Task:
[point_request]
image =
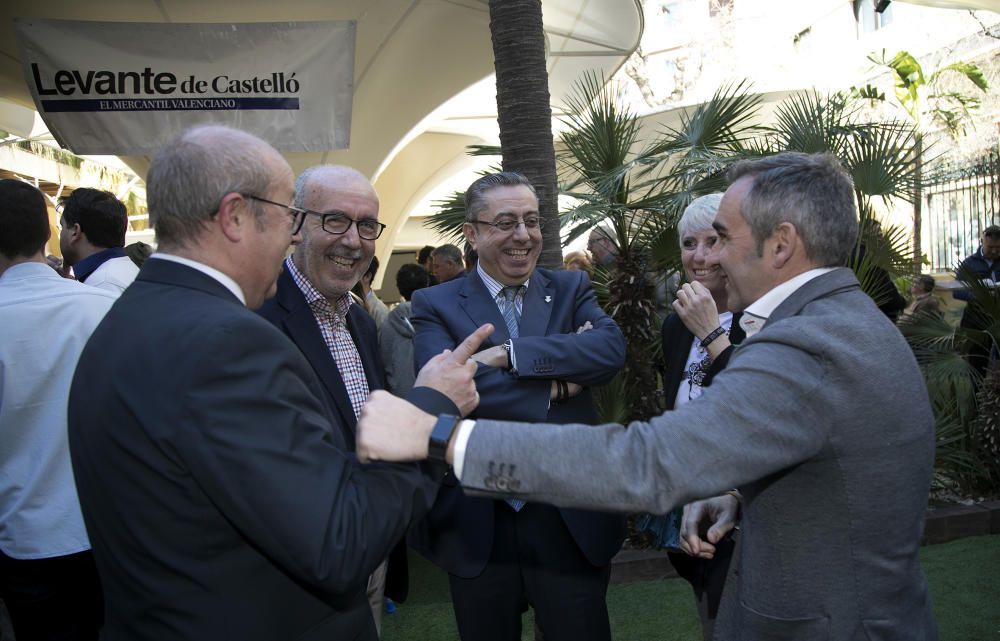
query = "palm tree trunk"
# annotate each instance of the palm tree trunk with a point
(523, 110)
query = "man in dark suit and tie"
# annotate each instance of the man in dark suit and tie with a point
(216, 483)
(821, 419)
(552, 341)
(314, 308)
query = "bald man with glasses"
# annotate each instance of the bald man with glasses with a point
(336, 209)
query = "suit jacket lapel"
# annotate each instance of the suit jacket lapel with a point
(365, 343)
(476, 301)
(536, 310)
(304, 331)
(836, 281)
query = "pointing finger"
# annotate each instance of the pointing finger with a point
(471, 344)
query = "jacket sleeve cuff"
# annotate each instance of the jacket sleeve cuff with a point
(432, 401)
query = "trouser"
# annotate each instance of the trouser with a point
(53, 599)
(376, 594)
(534, 561)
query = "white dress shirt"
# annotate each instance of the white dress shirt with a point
(757, 313)
(46, 320)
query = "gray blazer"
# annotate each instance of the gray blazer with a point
(823, 422)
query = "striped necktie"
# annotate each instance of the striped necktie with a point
(513, 320)
(510, 314)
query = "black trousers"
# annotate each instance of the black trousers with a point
(535, 562)
(708, 578)
(54, 599)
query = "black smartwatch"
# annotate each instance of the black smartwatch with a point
(437, 448)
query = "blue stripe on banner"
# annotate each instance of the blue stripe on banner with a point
(170, 104)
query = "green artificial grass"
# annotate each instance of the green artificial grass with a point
(964, 578)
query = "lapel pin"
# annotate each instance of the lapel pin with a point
(548, 299)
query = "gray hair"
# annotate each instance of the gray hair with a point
(451, 252)
(189, 177)
(698, 216)
(810, 191)
(475, 195)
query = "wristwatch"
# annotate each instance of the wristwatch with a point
(508, 347)
(437, 448)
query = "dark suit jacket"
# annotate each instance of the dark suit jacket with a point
(676, 342)
(221, 501)
(289, 312)
(458, 533)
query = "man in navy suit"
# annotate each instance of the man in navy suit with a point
(313, 307)
(552, 341)
(219, 493)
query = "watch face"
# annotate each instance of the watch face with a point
(437, 448)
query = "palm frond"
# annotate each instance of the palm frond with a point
(882, 159)
(601, 133)
(888, 246)
(723, 124)
(928, 335)
(448, 217)
(952, 458)
(809, 123)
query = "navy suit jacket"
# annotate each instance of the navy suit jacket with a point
(221, 499)
(457, 535)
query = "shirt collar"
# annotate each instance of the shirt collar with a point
(493, 286)
(211, 272)
(84, 268)
(28, 269)
(317, 301)
(757, 313)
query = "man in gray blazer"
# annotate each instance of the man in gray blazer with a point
(821, 420)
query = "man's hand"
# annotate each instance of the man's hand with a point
(451, 372)
(718, 514)
(495, 356)
(392, 429)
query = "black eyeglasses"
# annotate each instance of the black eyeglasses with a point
(509, 224)
(298, 215)
(337, 223)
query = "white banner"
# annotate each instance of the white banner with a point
(127, 88)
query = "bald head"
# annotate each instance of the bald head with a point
(189, 177)
(316, 181)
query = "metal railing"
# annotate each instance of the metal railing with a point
(958, 204)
